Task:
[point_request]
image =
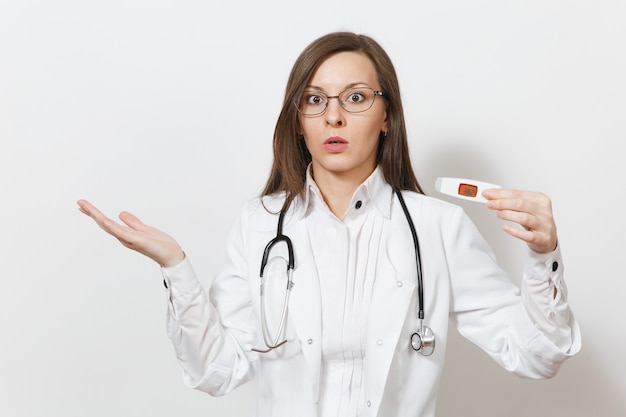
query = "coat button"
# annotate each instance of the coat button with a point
(555, 266)
(379, 342)
(310, 341)
(399, 283)
(358, 205)
(369, 403)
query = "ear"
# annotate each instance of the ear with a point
(385, 126)
(299, 129)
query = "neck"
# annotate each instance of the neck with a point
(337, 189)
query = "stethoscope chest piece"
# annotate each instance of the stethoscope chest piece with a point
(423, 341)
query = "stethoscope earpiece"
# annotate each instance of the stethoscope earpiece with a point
(423, 341)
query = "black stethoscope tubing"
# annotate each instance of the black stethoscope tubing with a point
(280, 237)
(423, 340)
(418, 257)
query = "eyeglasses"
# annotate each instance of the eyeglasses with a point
(352, 100)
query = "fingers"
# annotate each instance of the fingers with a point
(502, 198)
(527, 208)
(531, 210)
(137, 236)
(127, 235)
(85, 207)
(132, 221)
(124, 234)
(91, 211)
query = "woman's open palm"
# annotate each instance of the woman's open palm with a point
(137, 236)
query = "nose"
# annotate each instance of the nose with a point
(334, 112)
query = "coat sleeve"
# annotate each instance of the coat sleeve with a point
(210, 330)
(489, 310)
(544, 295)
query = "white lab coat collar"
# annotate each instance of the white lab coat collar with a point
(374, 189)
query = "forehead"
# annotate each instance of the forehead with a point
(343, 69)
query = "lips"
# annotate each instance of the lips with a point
(335, 144)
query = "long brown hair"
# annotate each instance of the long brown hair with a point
(291, 156)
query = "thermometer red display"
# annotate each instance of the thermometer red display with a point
(468, 190)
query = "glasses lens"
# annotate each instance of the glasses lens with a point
(312, 103)
(356, 100)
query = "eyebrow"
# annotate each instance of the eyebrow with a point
(351, 85)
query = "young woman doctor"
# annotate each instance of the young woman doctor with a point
(335, 334)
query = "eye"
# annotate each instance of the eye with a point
(314, 99)
(355, 97)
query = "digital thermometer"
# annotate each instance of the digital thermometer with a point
(463, 188)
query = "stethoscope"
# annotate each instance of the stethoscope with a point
(422, 341)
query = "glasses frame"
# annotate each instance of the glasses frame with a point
(341, 103)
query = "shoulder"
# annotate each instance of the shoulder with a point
(261, 213)
(270, 204)
(264, 206)
(448, 221)
(425, 203)
(433, 213)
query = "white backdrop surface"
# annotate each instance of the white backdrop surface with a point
(166, 109)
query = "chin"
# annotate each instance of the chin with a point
(336, 168)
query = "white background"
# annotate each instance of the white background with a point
(166, 108)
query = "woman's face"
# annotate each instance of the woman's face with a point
(342, 143)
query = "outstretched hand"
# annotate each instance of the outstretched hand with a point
(137, 236)
(531, 210)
